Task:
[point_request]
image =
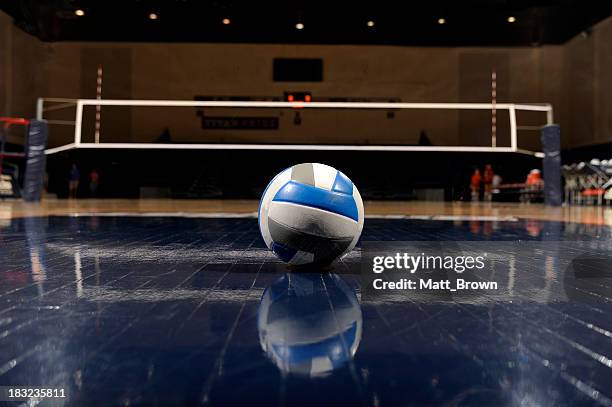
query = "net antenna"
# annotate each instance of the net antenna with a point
(45, 105)
(98, 107)
(494, 109)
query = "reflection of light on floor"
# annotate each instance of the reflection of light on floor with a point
(550, 276)
(171, 253)
(38, 270)
(608, 218)
(78, 274)
(6, 213)
(512, 275)
(115, 295)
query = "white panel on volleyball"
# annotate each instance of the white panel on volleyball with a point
(361, 217)
(266, 200)
(324, 176)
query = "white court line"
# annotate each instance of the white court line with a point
(477, 218)
(253, 215)
(447, 218)
(213, 215)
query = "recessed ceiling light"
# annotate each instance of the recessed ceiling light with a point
(441, 21)
(226, 21)
(79, 12)
(299, 26)
(371, 23)
(153, 16)
(511, 19)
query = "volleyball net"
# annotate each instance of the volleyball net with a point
(282, 125)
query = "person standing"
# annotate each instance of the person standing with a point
(488, 183)
(73, 185)
(497, 180)
(94, 180)
(475, 185)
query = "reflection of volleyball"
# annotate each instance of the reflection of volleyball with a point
(310, 214)
(309, 324)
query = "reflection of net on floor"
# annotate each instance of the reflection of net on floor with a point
(270, 125)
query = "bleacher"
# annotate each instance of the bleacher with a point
(588, 182)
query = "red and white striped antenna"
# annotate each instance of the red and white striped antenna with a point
(493, 109)
(98, 107)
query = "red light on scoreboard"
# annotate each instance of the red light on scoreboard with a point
(298, 97)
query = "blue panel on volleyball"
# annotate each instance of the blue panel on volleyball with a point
(343, 184)
(35, 161)
(283, 252)
(307, 195)
(551, 145)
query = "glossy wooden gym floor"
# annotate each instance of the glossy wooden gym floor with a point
(186, 306)
(594, 215)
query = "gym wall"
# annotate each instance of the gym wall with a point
(23, 61)
(564, 75)
(587, 79)
(170, 71)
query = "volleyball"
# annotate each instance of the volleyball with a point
(300, 332)
(311, 214)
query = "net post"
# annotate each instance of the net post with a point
(549, 115)
(78, 120)
(36, 144)
(39, 108)
(513, 136)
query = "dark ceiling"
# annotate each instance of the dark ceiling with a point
(407, 22)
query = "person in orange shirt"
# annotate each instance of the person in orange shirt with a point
(533, 186)
(488, 183)
(534, 178)
(475, 184)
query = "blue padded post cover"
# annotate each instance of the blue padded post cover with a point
(551, 145)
